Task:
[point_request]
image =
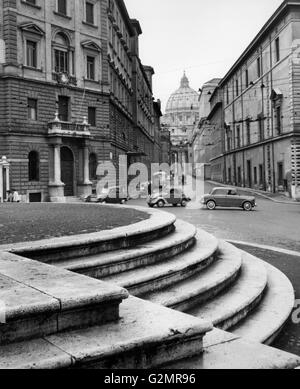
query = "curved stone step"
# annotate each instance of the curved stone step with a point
(234, 304)
(158, 276)
(137, 341)
(52, 250)
(116, 262)
(265, 323)
(186, 294)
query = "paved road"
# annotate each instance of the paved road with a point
(272, 224)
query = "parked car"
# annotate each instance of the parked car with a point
(112, 195)
(228, 197)
(171, 196)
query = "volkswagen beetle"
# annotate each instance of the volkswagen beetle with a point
(171, 196)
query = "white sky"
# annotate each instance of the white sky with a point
(202, 37)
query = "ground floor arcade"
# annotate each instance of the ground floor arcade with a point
(272, 166)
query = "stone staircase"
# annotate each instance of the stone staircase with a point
(69, 304)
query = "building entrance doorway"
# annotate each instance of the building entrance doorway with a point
(249, 172)
(3, 195)
(67, 170)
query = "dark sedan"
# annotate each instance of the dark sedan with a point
(168, 196)
(228, 198)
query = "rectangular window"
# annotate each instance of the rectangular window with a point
(248, 131)
(278, 120)
(89, 12)
(277, 50)
(32, 109)
(261, 128)
(31, 54)
(62, 7)
(228, 140)
(91, 68)
(246, 78)
(238, 137)
(237, 89)
(227, 95)
(63, 108)
(92, 116)
(258, 67)
(61, 61)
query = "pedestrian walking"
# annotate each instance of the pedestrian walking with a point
(15, 196)
(149, 188)
(9, 196)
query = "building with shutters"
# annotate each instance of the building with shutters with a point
(260, 95)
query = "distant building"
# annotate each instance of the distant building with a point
(200, 140)
(182, 112)
(216, 140)
(73, 93)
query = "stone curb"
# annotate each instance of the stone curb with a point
(264, 247)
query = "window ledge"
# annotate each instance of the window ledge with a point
(62, 15)
(31, 5)
(92, 81)
(90, 24)
(32, 68)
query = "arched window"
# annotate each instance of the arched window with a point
(33, 166)
(93, 164)
(62, 54)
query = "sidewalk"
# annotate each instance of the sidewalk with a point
(275, 197)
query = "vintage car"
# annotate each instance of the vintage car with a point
(228, 198)
(112, 195)
(168, 196)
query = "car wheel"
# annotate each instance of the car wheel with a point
(211, 205)
(160, 204)
(247, 206)
(183, 203)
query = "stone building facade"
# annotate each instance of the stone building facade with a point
(216, 140)
(134, 116)
(68, 94)
(201, 150)
(262, 108)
